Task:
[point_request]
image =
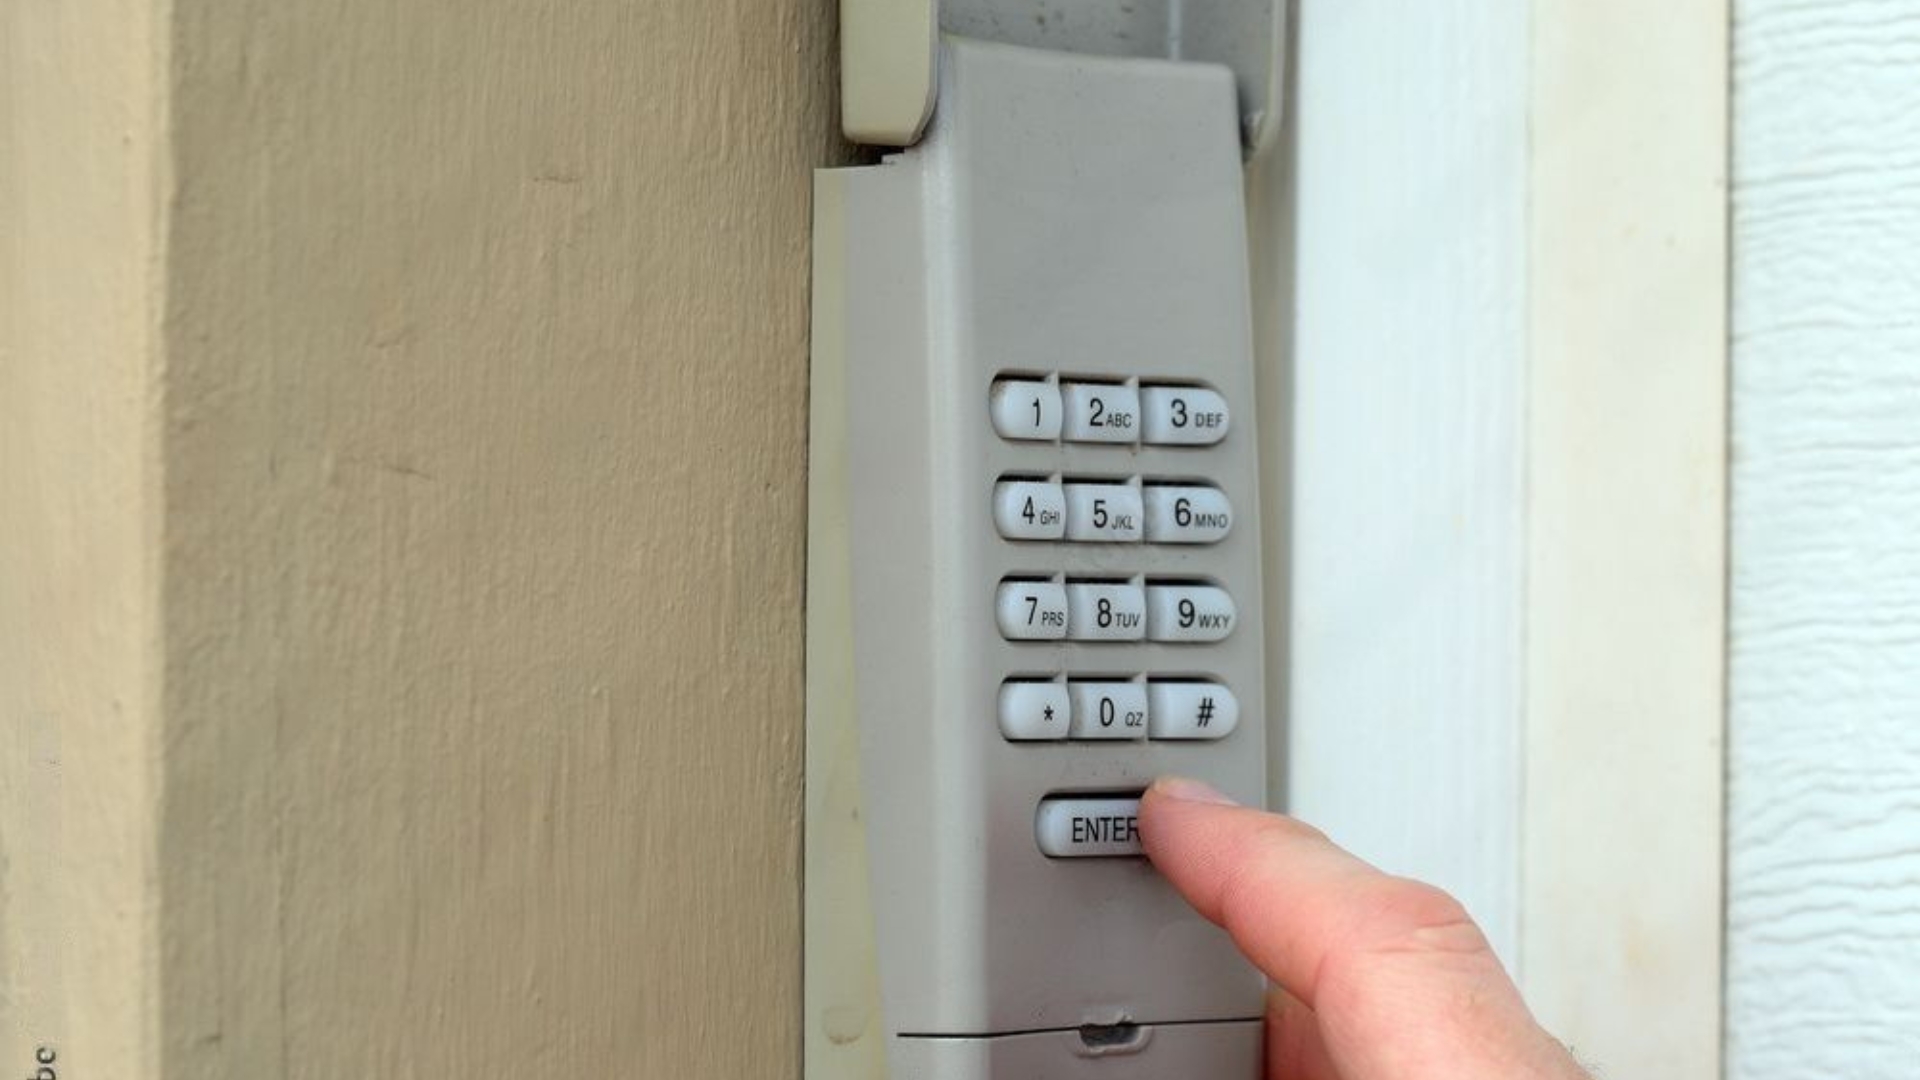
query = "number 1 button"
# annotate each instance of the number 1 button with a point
(1024, 409)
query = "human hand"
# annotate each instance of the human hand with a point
(1375, 977)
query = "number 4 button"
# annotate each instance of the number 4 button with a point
(1029, 510)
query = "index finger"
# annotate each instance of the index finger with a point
(1403, 982)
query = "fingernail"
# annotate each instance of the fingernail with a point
(1186, 790)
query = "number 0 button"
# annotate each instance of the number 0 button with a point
(1102, 412)
(1108, 710)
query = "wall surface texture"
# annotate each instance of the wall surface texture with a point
(1824, 863)
(409, 402)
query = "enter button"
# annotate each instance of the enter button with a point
(1080, 827)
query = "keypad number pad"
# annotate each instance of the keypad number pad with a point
(1062, 622)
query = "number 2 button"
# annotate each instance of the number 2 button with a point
(1102, 412)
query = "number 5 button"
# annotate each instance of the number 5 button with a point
(1103, 512)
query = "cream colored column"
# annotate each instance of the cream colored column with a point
(82, 156)
(416, 455)
(1622, 910)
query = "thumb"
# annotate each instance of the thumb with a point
(1403, 983)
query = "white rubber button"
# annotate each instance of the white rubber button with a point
(1109, 512)
(1076, 828)
(1032, 610)
(1106, 612)
(1029, 510)
(1189, 613)
(1191, 710)
(1034, 710)
(1101, 412)
(1182, 415)
(1108, 710)
(1186, 515)
(1024, 409)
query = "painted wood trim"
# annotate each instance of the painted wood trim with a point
(1408, 341)
(1626, 521)
(83, 162)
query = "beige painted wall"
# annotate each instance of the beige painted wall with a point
(404, 428)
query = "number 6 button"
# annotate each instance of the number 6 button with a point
(1187, 515)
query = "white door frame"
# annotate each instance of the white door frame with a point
(1497, 406)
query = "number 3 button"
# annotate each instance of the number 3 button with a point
(1183, 415)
